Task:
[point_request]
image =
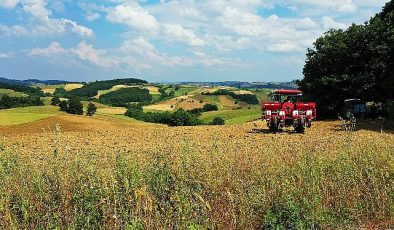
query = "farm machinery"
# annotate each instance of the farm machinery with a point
(287, 109)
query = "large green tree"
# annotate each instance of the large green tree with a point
(352, 63)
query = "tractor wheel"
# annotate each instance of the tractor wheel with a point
(273, 126)
(300, 129)
(309, 123)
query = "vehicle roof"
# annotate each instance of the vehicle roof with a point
(287, 91)
(354, 99)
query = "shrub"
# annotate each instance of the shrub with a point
(210, 107)
(218, 121)
(91, 110)
(63, 106)
(55, 101)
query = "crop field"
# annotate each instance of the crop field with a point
(11, 93)
(72, 86)
(114, 173)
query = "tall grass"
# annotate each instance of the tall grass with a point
(196, 189)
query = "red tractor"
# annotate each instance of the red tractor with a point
(287, 109)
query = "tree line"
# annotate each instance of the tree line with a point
(247, 98)
(354, 63)
(124, 96)
(7, 102)
(178, 118)
(91, 89)
(31, 91)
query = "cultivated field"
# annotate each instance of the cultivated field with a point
(112, 173)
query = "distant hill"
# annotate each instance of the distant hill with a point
(32, 81)
(246, 85)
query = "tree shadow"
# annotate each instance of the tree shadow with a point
(377, 125)
(267, 131)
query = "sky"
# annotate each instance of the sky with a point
(168, 40)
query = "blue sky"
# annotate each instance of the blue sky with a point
(167, 40)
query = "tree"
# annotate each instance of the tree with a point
(354, 63)
(91, 110)
(63, 106)
(55, 101)
(218, 121)
(210, 107)
(75, 106)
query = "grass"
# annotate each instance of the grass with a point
(17, 116)
(184, 89)
(50, 88)
(233, 117)
(11, 93)
(194, 189)
(262, 94)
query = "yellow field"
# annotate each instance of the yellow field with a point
(69, 87)
(121, 172)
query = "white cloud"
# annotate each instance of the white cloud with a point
(9, 4)
(41, 23)
(133, 15)
(97, 57)
(91, 16)
(4, 55)
(178, 33)
(53, 49)
(330, 23)
(285, 47)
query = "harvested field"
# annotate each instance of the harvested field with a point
(202, 173)
(71, 86)
(228, 102)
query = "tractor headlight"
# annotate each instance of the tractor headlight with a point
(281, 113)
(268, 113)
(309, 113)
(296, 113)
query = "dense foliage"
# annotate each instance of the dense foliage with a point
(91, 110)
(91, 89)
(206, 108)
(247, 98)
(354, 63)
(22, 88)
(178, 118)
(124, 96)
(55, 101)
(218, 121)
(61, 93)
(72, 106)
(7, 102)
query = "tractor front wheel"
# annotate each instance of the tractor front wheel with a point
(273, 126)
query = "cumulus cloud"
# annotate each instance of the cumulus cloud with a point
(178, 33)
(330, 23)
(4, 55)
(41, 21)
(92, 16)
(53, 49)
(9, 4)
(133, 15)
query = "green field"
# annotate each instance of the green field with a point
(233, 117)
(184, 89)
(11, 93)
(17, 116)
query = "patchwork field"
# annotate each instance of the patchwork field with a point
(11, 93)
(104, 171)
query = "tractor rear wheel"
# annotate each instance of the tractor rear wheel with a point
(300, 129)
